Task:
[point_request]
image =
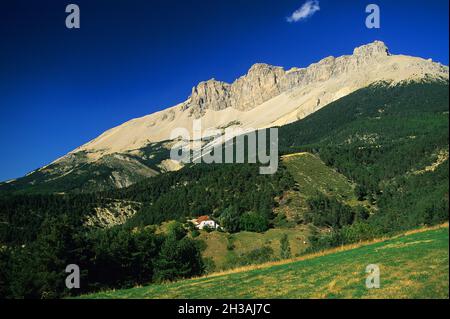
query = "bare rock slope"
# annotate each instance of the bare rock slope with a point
(268, 96)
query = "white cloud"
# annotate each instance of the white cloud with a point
(305, 11)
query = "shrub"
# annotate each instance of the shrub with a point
(253, 222)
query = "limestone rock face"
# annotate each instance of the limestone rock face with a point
(211, 94)
(263, 82)
(375, 49)
(112, 214)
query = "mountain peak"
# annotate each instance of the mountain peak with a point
(211, 94)
(376, 48)
(257, 67)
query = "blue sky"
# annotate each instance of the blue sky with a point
(60, 88)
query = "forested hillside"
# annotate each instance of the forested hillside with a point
(389, 142)
(47, 232)
(222, 191)
(392, 141)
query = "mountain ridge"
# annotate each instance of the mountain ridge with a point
(267, 96)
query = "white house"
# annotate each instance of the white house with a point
(208, 223)
(204, 221)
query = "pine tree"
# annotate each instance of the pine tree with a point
(285, 248)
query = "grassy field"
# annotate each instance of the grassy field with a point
(413, 265)
(245, 242)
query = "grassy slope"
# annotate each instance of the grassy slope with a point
(244, 242)
(312, 177)
(414, 265)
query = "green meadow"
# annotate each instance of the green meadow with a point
(314, 176)
(412, 265)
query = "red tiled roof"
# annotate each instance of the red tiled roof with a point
(202, 218)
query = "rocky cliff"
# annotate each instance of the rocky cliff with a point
(263, 82)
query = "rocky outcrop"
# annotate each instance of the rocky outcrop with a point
(112, 214)
(263, 82)
(260, 84)
(211, 94)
